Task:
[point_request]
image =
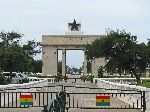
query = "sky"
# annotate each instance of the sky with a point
(35, 18)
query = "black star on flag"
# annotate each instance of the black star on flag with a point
(74, 26)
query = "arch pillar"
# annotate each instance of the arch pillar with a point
(96, 63)
(49, 61)
(63, 62)
(85, 64)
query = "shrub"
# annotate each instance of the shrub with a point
(58, 78)
(146, 83)
(3, 79)
(25, 80)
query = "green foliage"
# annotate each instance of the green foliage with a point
(37, 66)
(31, 48)
(121, 52)
(145, 83)
(58, 78)
(3, 79)
(25, 80)
(13, 55)
(90, 78)
(89, 67)
(100, 72)
(59, 67)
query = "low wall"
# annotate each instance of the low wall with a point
(32, 79)
(17, 80)
(25, 87)
(117, 87)
(131, 81)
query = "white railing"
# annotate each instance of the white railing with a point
(130, 99)
(32, 79)
(131, 81)
(25, 87)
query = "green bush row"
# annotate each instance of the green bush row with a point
(145, 83)
(3, 80)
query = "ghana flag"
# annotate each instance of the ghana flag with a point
(26, 99)
(103, 100)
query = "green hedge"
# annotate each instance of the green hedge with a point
(90, 78)
(3, 80)
(25, 80)
(58, 78)
(145, 83)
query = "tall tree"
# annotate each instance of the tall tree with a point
(59, 67)
(121, 52)
(13, 55)
(10, 50)
(37, 66)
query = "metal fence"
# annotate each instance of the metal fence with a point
(122, 99)
(117, 100)
(12, 99)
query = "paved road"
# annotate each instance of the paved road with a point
(84, 100)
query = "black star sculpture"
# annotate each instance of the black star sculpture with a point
(74, 25)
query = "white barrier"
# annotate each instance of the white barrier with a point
(130, 99)
(32, 79)
(147, 94)
(131, 81)
(25, 87)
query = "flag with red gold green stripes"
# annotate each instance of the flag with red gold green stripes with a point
(103, 100)
(26, 99)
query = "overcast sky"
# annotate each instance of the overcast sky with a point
(34, 18)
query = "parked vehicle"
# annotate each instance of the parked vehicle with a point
(8, 74)
(21, 75)
(16, 77)
(14, 74)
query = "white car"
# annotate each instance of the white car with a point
(14, 74)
